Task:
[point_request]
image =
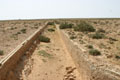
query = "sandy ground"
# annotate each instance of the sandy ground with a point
(55, 64)
(108, 48)
(11, 34)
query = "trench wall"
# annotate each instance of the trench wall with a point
(9, 62)
(86, 68)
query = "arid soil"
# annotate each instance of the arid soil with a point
(13, 33)
(52, 61)
(49, 61)
(108, 46)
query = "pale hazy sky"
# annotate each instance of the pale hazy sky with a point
(37, 9)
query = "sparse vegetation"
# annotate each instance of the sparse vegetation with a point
(45, 54)
(98, 36)
(111, 42)
(94, 36)
(1, 52)
(18, 33)
(12, 28)
(65, 26)
(81, 42)
(44, 39)
(50, 23)
(84, 27)
(101, 30)
(112, 39)
(23, 30)
(89, 46)
(95, 22)
(72, 37)
(14, 36)
(51, 30)
(94, 52)
(117, 57)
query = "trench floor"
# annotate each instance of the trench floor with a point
(49, 61)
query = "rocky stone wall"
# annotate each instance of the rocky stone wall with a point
(8, 63)
(87, 69)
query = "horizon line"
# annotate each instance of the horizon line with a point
(60, 18)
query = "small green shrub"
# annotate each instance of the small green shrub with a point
(95, 22)
(81, 42)
(101, 30)
(117, 57)
(18, 33)
(76, 28)
(90, 46)
(50, 23)
(44, 39)
(72, 37)
(23, 30)
(98, 36)
(94, 52)
(45, 54)
(1, 52)
(112, 39)
(84, 27)
(65, 26)
(111, 42)
(12, 28)
(51, 30)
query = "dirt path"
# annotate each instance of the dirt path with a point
(50, 61)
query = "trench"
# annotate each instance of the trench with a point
(46, 61)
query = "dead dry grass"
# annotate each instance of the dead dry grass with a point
(106, 38)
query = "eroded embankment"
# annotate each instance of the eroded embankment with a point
(7, 64)
(89, 70)
(52, 61)
(48, 61)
